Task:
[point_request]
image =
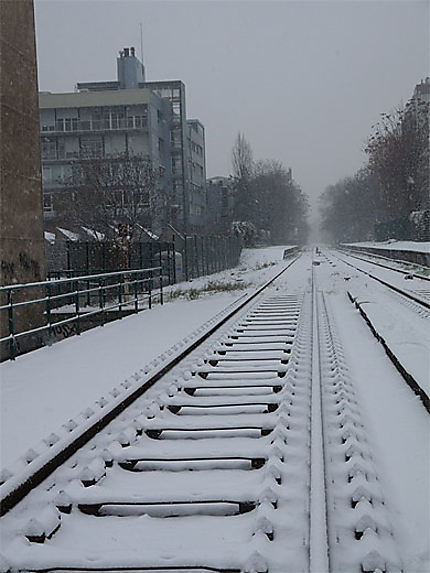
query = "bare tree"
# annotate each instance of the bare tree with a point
(269, 205)
(243, 165)
(281, 205)
(398, 153)
(349, 208)
(108, 194)
(242, 158)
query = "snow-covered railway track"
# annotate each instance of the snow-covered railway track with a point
(389, 314)
(418, 296)
(358, 521)
(249, 457)
(376, 260)
(16, 484)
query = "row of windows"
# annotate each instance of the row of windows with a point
(120, 201)
(112, 122)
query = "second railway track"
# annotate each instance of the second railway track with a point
(249, 456)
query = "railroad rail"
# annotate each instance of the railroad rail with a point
(246, 454)
(408, 294)
(378, 263)
(420, 257)
(415, 304)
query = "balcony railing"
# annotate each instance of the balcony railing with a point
(74, 125)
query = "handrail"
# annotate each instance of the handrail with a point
(121, 291)
(78, 278)
(30, 317)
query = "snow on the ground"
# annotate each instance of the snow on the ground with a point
(391, 245)
(258, 257)
(386, 274)
(43, 389)
(397, 425)
(406, 332)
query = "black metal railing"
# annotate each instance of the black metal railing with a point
(86, 294)
(60, 302)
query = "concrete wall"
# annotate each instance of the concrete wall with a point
(21, 219)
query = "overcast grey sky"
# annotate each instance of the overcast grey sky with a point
(304, 81)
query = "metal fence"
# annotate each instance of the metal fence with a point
(85, 257)
(184, 259)
(32, 313)
(207, 255)
(85, 295)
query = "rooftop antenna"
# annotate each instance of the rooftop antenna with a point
(141, 41)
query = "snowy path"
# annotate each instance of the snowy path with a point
(263, 451)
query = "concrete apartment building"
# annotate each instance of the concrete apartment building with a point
(197, 171)
(131, 116)
(220, 203)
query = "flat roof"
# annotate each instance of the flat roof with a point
(94, 99)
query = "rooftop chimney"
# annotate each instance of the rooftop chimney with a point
(131, 71)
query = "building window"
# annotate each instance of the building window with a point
(49, 148)
(48, 204)
(92, 146)
(46, 174)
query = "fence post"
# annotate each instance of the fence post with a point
(48, 310)
(186, 257)
(161, 276)
(121, 279)
(150, 289)
(204, 256)
(169, 264)
(12, 347)
(136, 303)
(174, 259)
(78, 317)
(68, 255)
(196, 257)
(101, 303)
